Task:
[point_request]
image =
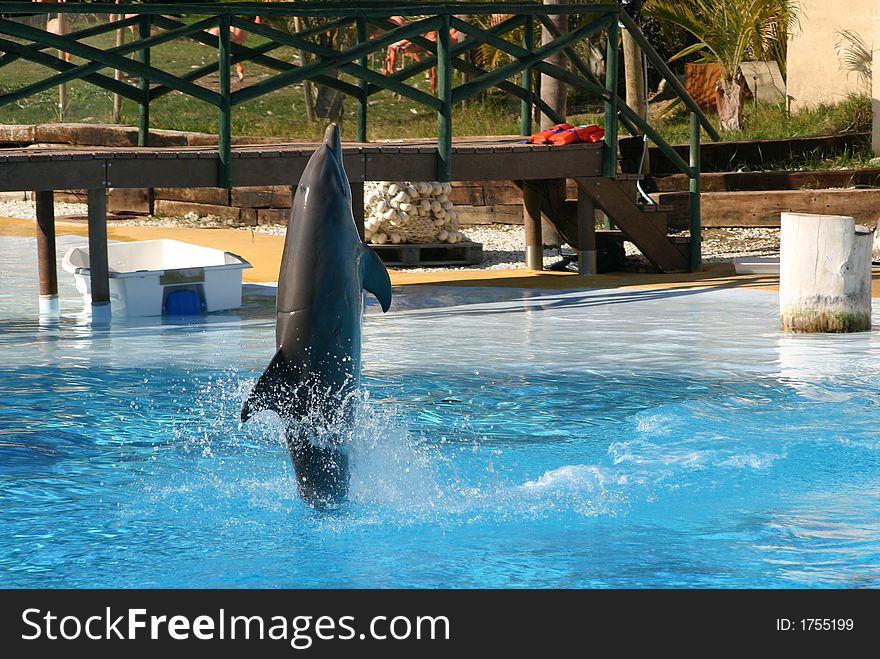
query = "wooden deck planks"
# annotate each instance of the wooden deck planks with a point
(501, 158)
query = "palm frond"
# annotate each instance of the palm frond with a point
(854, 54)
(731, 31)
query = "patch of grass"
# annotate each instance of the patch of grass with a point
(858, 157)
(767, 121)
(280, 114)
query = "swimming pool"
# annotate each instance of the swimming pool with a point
(627, 438)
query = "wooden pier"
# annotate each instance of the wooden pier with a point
(539, 170)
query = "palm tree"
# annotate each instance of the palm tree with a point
(730, 32)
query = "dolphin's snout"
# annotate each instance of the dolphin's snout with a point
(333, 140)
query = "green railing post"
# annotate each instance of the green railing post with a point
(362, 108)
(224, 119)
(444, 92)
(144, 25)
(611, 103)
(696, 257)
(525, 122)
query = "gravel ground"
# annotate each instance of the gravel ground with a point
(502, 243)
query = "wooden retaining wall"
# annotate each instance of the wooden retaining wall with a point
(476, 202)
(763, 209)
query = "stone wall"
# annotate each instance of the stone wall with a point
(476, 202)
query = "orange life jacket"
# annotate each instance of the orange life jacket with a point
(544, 136)
(590, 133)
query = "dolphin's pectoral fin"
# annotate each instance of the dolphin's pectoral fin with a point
(273, 391)
(376, 279)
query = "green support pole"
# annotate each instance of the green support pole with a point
(696, 248)
(611, 103)
(144, 25)
(362, 37)
(444, 92)
(224, 119)
(610, 155)
(525, 121)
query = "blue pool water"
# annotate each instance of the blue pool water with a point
(507, 439)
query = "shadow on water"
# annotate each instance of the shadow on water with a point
(450, 301)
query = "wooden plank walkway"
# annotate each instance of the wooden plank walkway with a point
(474, 159)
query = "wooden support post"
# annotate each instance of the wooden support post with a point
(586, 219)
(357, 206)
(99, 272)
(824, 274)
(532, 221)
(46, 251)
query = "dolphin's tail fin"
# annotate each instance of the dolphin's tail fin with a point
(375, 277)
(272, 391)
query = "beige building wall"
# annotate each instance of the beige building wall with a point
(815, 72)
(875, 84)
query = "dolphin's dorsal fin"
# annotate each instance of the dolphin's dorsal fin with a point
(272, 391)
(375, 276)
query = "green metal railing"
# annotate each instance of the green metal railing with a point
(428, 28)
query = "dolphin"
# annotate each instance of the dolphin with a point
(325, 268)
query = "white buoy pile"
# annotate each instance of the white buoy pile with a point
(409, 212)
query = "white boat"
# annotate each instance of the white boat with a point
(152, 277)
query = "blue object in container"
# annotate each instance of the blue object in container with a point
(183, 303)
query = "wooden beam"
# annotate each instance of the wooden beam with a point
(99, 270)
(586, 228)
(480, 160)
(763, 209)
(776, 180)
(532, 222)
(46, 257)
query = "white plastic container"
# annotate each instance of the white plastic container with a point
(756, 265)
(143, 274)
